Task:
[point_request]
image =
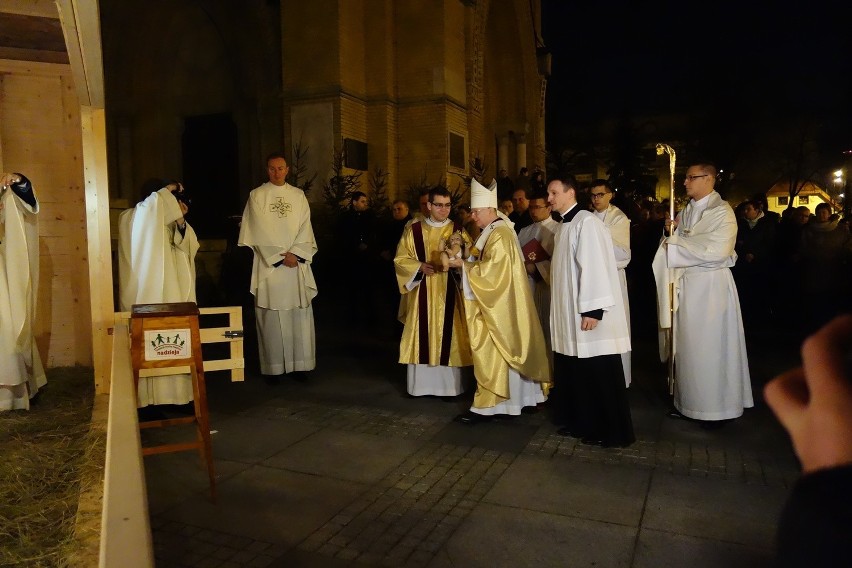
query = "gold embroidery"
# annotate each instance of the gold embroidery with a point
(280, 207)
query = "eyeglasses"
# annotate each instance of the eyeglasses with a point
(441, 205)
(598, 195)
(690, 178)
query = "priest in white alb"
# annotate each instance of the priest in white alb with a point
(537, 245)
(510, 359)
(156, 265)
(588, 326)
(434, 344)
(21, 371)
(618, 225)
(712, 382)
(276, 224)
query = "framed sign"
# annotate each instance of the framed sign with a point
(163, 344)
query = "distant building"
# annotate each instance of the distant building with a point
(810, 196)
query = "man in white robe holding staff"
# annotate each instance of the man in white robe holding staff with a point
(711, 382)
(21, 371)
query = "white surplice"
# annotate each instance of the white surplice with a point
(156, 264)
(585, 274)
(21, 370)
(712, 380)
(277, 220)
(618, 224)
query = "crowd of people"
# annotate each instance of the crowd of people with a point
(534, 298)
(790, 260)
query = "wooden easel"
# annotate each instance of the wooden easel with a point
(160, 319)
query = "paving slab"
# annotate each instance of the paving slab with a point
(593, 491)
(266, 503)
(351, 456)
(658, 549)
(174, 478)
(252, 440)
(716, 509)
(500, 435)
(495, 535)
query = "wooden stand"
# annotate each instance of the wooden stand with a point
(159, 318)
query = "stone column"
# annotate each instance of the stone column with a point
(503, 153)
(521, 142)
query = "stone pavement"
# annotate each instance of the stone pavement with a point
(345, 470)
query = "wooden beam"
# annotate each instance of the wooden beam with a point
(97, 230)
(81, 28)
(41, 8)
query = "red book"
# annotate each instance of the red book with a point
(534, 252)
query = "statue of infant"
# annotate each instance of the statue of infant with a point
(454, 247)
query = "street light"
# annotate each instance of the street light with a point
(839, 187)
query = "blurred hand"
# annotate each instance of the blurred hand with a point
(9, 179)
(427, 269)
(671, 225)
(588, 324)
(814, 402)
(290, 260)
(530, 267)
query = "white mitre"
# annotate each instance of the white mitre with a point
(481, 196)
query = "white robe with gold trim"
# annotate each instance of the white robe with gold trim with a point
(277, 220)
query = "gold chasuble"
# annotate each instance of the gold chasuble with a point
(502, 320)
(435, 332)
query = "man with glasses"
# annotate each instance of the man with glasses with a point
(537, 245)
(712, 382)
(435, 342)
(509, 354)
(618, 225)
(588, 326)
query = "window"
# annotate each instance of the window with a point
(355, 153)
(457, 159)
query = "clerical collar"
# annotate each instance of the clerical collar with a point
(569, 214)
(432, 223)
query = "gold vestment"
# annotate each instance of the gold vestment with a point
(435, 330)
(502, 320)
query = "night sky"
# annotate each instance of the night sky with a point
(637, 57)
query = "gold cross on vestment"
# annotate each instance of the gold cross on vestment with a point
(280, 207)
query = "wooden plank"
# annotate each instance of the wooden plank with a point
(209, 366)
(126, 522)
